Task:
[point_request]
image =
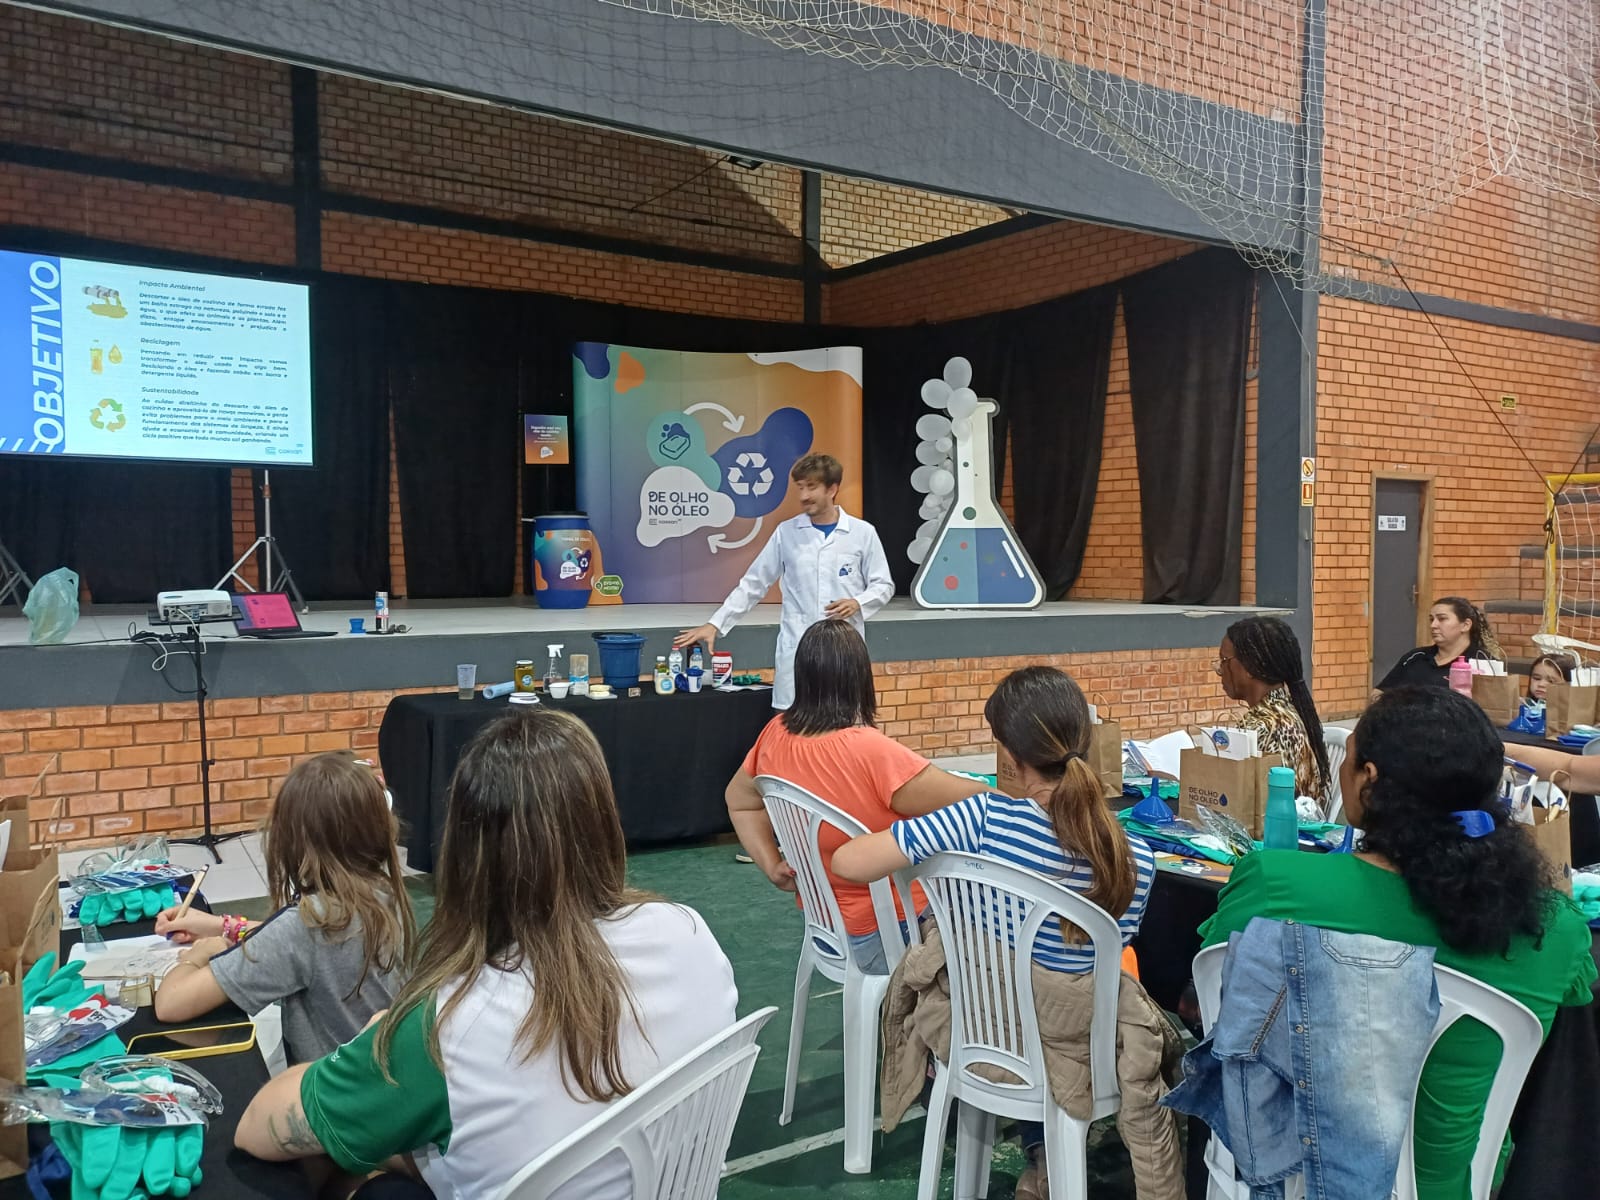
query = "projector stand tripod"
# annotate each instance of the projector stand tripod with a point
(14, 581)
(208, 837)
(268, 545)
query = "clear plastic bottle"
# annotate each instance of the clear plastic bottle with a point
(1461, 677)
(1280, 829)
(663, 676)
(697, 659)
(552, 672)
(674, 662)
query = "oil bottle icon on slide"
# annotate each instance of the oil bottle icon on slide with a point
(976, 560)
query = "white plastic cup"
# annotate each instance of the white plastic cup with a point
(559, 688)
(466, 680)
(694, 683)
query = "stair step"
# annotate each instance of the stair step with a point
(1585, 608)
(1536, 551)
(1535, 607)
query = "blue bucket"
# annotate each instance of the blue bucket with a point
(619, 658)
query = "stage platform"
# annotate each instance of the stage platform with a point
(100, 664)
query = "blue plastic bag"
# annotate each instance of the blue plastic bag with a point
(52, 608)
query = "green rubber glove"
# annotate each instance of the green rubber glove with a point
(38, 975)
(112, 1162)
(66, 989)
(76, 1061)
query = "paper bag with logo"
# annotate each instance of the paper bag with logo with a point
(30, 928)
(1551, 831)
(1105, 756)
(1499, 696)
(1568, 705)
(1236, 787)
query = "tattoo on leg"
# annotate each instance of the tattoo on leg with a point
(293, 1135)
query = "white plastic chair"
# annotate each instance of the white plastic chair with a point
(674, 1129)
(1337, 743)
(797, 818)
(993, 1021)
(1460, 996)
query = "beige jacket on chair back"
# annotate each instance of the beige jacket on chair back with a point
(916, 1022)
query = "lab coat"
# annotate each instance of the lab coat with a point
(814, 572)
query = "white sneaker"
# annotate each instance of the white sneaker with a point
(743, 858)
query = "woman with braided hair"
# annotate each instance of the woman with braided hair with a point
(1259, 664)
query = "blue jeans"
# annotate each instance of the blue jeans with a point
(867, 950)
(1313, 1062)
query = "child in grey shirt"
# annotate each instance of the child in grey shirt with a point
(333, 952)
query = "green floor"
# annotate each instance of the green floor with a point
(759, 929)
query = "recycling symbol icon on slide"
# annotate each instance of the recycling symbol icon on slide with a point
(750, 475)
(98, 412)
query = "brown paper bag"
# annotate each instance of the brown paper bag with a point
(30, 928)
(1567, 706)
(1105, 756)
(1551, 832)
(1500, 696)
(1235, 787)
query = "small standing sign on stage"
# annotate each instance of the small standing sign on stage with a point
(545, 442)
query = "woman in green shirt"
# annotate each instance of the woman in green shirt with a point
(1418, 759)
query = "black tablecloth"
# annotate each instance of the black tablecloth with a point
(228, 1172)
(1584, 809)
(1556, 1123)
(670, 758)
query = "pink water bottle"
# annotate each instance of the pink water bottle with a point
(1461, 677)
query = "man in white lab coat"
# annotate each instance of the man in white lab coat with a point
(829, 564)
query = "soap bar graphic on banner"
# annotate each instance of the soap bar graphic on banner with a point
(683, 459)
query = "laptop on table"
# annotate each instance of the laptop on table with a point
(271, 615)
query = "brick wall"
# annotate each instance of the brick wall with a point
(1009, 272)
(1390, 399)
(862, 219)
(134, 768)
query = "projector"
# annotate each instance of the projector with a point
(193, 605)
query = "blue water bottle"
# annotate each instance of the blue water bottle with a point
(1281, 828)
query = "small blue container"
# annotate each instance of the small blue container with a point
(619, 658)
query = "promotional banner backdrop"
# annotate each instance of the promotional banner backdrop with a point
(683, 459)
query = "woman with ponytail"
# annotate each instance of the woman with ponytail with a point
(1052, 818)
(1259, 663)
(1440, 864)
(1459, 630)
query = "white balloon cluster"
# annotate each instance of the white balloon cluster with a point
(940, 437)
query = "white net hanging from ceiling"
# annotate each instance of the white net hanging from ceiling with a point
(1426, 101)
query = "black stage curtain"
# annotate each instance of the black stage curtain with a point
(1188, 326)
(1053, 379)
(331, 521)
(129, 529)
(456, 381)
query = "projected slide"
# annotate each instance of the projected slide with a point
(116, 361)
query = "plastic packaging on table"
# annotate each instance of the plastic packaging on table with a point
(54, 1037)
(52, 608)
(149, 1109)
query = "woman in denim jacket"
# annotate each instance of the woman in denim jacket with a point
(1418, 759)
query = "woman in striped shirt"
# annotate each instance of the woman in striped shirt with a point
(1052, 819)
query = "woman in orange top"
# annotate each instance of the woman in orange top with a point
(827, 743)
